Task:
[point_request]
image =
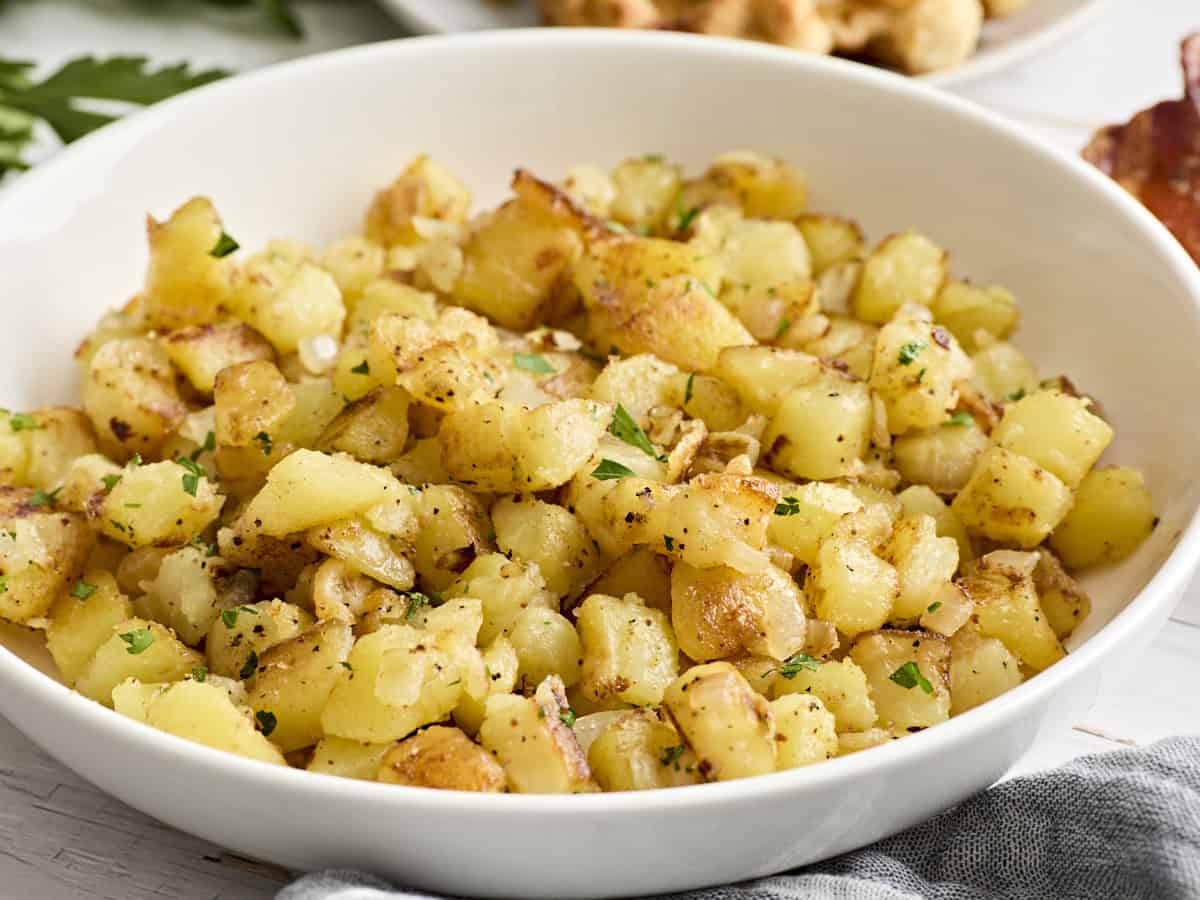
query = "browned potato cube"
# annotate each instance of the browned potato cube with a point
(187, 280)
(1011, 499)
(425, 189)
(443, 758)
(129, 394)
(252, 399)
(1007, 606)
(1111, 516)
(372, 429)
(42, 553)
(201, 351)
(629, 650)
(909, 675)
(637, 751)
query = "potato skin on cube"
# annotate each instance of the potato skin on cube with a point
(442, 758)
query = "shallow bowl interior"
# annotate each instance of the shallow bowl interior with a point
(1105, 293)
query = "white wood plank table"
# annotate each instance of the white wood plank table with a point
(61, 838)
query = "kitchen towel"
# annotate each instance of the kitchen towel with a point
(1115, 825)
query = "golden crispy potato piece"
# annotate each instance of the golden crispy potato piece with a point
(189, 277)
(637, 751)
(201, 351)
(443, 758)
(909, 675)
(1110, 518)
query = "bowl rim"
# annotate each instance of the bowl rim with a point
(977, 67)
(50, 697)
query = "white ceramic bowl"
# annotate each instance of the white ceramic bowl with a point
(297, 150)
(1005, 42)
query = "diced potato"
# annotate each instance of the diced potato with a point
(186, 283)
(805, 731)
(854, 741)
(1003, 372)
(425, 190)
(57, 436)
(387, 296)
(762, 187)
(550, 536)
(909, 677)
(1007, 607)
(806, 514)
(1056, 431)
(942, 457)
(287, 299)
(637, 751)
(42, 553)
(759, 671)
(529, 738)
(251, 400)
(950, 610)
(725, 721)
(904, 268)
(763, 376)
(629, 650)
(318, 403)
(641, 571)
(921, 500)
(1111, 516)
(239, 636)
(184, 594)
(366, 550)
(442, 758)
(851, 587)
(137, 649)
(201, 351)
(967, 309)
(1063, 600)
(500, 664)
(981, 668)
(821, 430)
(842, 688)
(454, 530)
(1011, 499)
(644, 191)
(294, 679)
(310, 488)
(721, 612)
(348, 759)
(506, 588)
(372, 429)
(546, 643)
(79, 624)
(590, 186)
(831, 240)
(710, 400)
(204, 713)
(639, 383)
(507, 448)
(161, 504)
(924, 564)
(278, 560)
(129, 394)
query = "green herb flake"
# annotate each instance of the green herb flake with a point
(653, 157)
(784, 325)
(788, 506)
(610, 469)
(200, 674)
(962, 419)
(616, 227)
(1016, 395)
(191, 481)
(209, 445)
(41, 498)
(266, 721)
(921, 376)
(3, 584)
(134, 461)
(911, 351)
(265, 443)
(133, 506)
(139, 640)
(223, 247)
(794, 665)
(229, 617)
(533, 362)
(349, 668)
(200, 544)
(687, 391)
(24, 422)
(625, 427)
(671, 755)
(909, 676)
(668, 542)
(110, 482)
(567, 717)
(686, 216)
(934, 606)
(363, 368)
(416, 602)
(83, 590)
(250, 666)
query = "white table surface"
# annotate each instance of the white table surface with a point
(61, 838)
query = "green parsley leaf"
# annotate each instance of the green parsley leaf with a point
(83, 590)
(139, 640)
(794, 665)
(416, 602)
(784, 325)
(1016, 395)
(195, 471)
(610, 469)
(110, 482)
(23, 422)
(672, 754)
(267, 721)
(250, 666)
(921, 376)
(200, 674)
(568, 717)
(668, 542)
(41, 498)
(229, 617)
(653, 157)
(909, 676)
(3, 584)
(134, 461)
(962, 418)
(788, 506)
(934, 606)
(625, 427)
(362, 368)
(687, 391)
(209, 445)
(200, 544)
(533, 362)
(349, 668)
(911, 351)
(686, 216)
(616, 227)
(224, 246)
(264, 441)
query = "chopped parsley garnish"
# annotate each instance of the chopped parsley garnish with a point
(250, 666)
(686, 216)
(934, 606)
(1016, 395)
(134, 461)
(610, 469)
(920, 376)
(788, 506)
(416, 602)
(264, 441)
(23, 422)
(224, 246)
(110, 482)
(200, 674)
(210, 549)
(533, 362)
(41, 498)
(209, 445)
(671, 754)
(909, 676)
(267, 721)
(191, 481)
(687, 391)
(3, 584)
(625, 427)
(363, 368)
(229, 617)
(567, 717)
(784, 325)
(668, 542)
(133, 506)
(911, 351)
(83, 590)
(653, 157)
(794, 665)
(349, 668)
(962, 419)
(139, 640)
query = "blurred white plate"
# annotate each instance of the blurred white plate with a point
(1005, 41)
